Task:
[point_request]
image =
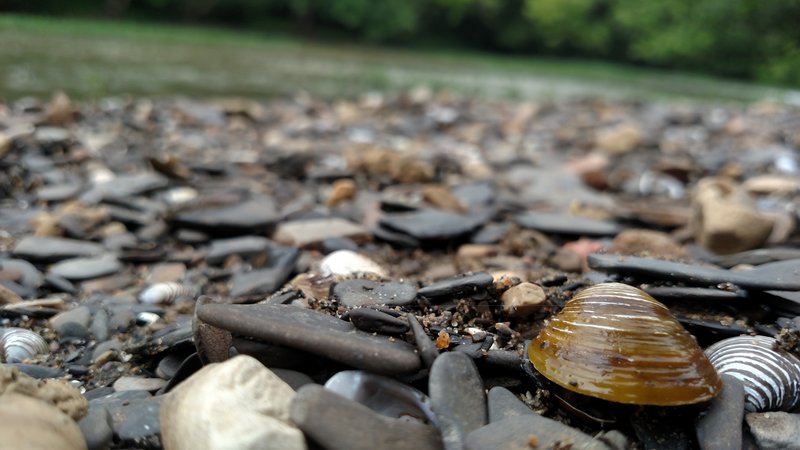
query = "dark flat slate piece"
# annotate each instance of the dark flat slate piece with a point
(669, 293)
(503, 404)
(77, 269)
(359, 292)
(720, 428)
(244, 246)
(267, 280)
(757, 257)
(458, 286)
(49, 249)
(566, 224)
(315, 333)
(514, 433)
(430, 224)
(254, 215)
(783, 275)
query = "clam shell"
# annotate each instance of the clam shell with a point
(19, 344)
(771, 376)
(165, 293)
(615, 342)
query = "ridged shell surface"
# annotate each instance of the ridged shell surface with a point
(19, 344)
(615, 342)
(165, 293)
(771, 376)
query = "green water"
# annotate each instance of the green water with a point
(92, 59)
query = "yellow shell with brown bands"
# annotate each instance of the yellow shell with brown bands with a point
(615, 342)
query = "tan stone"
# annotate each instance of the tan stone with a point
(30, 424)
(442, 198)
(620, 139)
(58, 393)
(305, 233)
(772, 185)
(238, 404)
(477, 251)
(341, 191)
(648, 243)
(523, 299)
(725, 219)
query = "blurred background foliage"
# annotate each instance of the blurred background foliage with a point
(749, 39)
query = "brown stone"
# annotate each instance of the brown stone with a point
(649, 244)
(341, 191)
(620, 139)
(442, 198)
(27, 423)
(523, 299)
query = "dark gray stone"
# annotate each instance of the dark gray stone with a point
(77, 269)
(359, 292)
(425, 346)
(73, 323)
(457, 397)
(244, 246)
(314, 332)
(721, 426)
(262, 281)
(775, 430)
(670, 293)
(427, 225)
(30, 277)
(336, 423)
(48, 249)
(96, 428)
(373, 321)
(254, 215)
(463, 285)
(516, 433)
(293, 378)
(566, 224)
(780, 276)
(503, 404)
(58, 192)
(757, 256)
(38, 372)
(125, 185)
(136, 422)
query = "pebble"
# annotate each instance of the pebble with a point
(523, 299)
(720, 428)
(49, 249)
(316, 333)
(247, 247)
(136, 422)
(96, 428)
(360, 292)
(345, 263)
(775, 430)
(459, 286)
(293, 378)
(73, 323)
(255, 403)
(125, 186)
(57, 393)
(27, 423)
(77, 269)
(648, 243)
(329, 419)
(425, 346)
(457, 398)
(756, 257)
(125, 383)
(311, 232)
(530, 431)
(503, 404)
(567, 225)
(267, 280)
(251, 216)
(29, 275)
(374, 321)
(430, 225)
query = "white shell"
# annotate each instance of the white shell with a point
(19, 344)
(346, 262)
(771, 376)
(165, 293)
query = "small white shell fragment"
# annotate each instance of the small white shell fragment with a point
(165, 293)
(346, 262)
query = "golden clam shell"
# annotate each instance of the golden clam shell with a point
(615, 342)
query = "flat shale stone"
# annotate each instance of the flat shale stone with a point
(782, 275)
(244, 246)
(721, 426)
(77, 269)
(457, 397)
(267, 280)
(358, 292)
(96, 428)
(374, 321)
(429, 225)
(463, 285)
(311, 232)
(72, 323)
(254, 215)
(49, 249)
(336, 423)
(315, 333)
(518, 433)
(425, 346)
(566, 224)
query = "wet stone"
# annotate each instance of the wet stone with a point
(425, 346)
(254, 215)
(427, 225)
(136, 422)
(329, 420)
(720, 428)
(245, 246)
(96, 428)
(73, 323)
(464, 285)
(48, 249)
(775, 430)
(38, 372)
(568, 225)
(457, 398)
(756, 257)
(373, 321)
(315, 333)
(517, 433)
(671, 293)
(358, 292)
(263, 281)
(77, 269)
(503, 404)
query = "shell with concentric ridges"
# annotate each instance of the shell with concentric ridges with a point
(19, 344)
(615, 342)
(771, 376)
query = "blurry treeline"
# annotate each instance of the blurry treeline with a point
(757, 39)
